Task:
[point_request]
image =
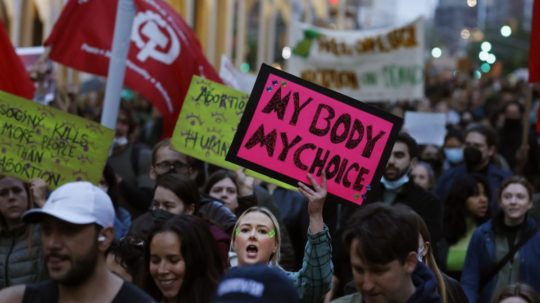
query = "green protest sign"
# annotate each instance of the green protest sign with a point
(207, 124)
(38, 141)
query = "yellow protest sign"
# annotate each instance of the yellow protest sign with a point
(207, 124)
(38, 141)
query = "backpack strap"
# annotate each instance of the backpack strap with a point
(487, 275)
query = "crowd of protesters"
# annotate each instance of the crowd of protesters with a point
(450, 223)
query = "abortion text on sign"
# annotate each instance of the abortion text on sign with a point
(207, 123)
(37, 141)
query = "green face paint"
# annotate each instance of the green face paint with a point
(272, 233)
(237, 231)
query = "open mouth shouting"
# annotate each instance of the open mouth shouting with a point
(252, 251)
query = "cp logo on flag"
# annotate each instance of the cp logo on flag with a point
(150, 25)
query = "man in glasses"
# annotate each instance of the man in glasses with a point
(167, 160)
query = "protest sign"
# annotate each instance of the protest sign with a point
(38, 141)
(207, 123)
(292, 127)
(426, 128)
(369, 65)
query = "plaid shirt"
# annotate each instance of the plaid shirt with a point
(314, 279)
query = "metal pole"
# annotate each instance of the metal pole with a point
(117, 63)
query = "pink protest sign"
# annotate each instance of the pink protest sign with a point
(292, 127)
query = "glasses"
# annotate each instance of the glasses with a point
(177, 166)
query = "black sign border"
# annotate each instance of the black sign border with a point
(256, 93)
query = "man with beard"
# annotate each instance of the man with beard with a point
(397, 187)
(480, 146)
(76, 230)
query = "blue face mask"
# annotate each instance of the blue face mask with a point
(393, 185)
(420, 254)
(454, 155)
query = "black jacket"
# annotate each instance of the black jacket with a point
(418, 199)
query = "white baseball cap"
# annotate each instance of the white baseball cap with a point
(77, 203)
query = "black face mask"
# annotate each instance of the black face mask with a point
(512, 124)
(159, 215)
(472, 157)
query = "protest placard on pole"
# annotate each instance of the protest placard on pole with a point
(207, 123)
(38, 141)
(292, 127)
(426, 128)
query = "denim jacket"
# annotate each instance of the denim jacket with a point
(481, 257)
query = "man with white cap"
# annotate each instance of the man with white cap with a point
(76, 230)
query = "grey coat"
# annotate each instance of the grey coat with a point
(21, 260)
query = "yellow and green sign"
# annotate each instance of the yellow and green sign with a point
(38, 141)
(207, 124)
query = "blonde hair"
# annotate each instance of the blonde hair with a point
(274, 258)
(429, 257)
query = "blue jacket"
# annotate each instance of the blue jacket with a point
(494, 177)
(426, 286)
(481, 256)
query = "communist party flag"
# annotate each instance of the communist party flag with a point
(163, 56)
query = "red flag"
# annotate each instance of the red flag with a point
(13, 76)
(534, 48)
(164, 53)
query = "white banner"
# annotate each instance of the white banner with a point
(371, 65)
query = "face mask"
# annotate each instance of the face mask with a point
(472, 157)
(419, 254)
(393, 185)
(512, 124)
(454, 155)
(160, 215)
(120, 141)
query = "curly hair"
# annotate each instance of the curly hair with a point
(455, 206)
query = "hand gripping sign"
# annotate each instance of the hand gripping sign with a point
(292, 127)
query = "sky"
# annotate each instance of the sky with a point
(409, 9)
